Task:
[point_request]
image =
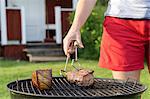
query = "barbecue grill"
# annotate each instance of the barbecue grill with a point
(62, 89)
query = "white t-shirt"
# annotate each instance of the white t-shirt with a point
(138, 9)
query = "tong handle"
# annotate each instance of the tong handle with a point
(75, 54)
(72, 56)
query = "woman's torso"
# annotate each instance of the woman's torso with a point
(138, 9)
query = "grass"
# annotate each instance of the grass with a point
(13, 70)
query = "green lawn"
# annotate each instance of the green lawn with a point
(13, 70)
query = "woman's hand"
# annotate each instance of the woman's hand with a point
(68, 42)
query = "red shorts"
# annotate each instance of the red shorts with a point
(125, 43)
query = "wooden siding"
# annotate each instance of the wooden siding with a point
(50, 4)
(1, 52)
(50, 15)
(65, 23)
(13, 52)
(13, 24)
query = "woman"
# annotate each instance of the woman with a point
(126, 35)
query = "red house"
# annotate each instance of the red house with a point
(34, 29)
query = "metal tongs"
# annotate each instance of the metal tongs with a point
(74, 58)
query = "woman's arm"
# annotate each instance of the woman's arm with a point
(83, 10)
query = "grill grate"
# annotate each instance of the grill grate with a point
(62, 88)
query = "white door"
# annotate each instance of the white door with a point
(35, 18)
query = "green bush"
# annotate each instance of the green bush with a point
(91, 32)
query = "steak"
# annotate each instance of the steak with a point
(42, 79)
(81, 77)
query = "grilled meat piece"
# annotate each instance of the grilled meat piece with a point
(42, 79)
(81, 77)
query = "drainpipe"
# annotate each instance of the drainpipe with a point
(3, 22)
